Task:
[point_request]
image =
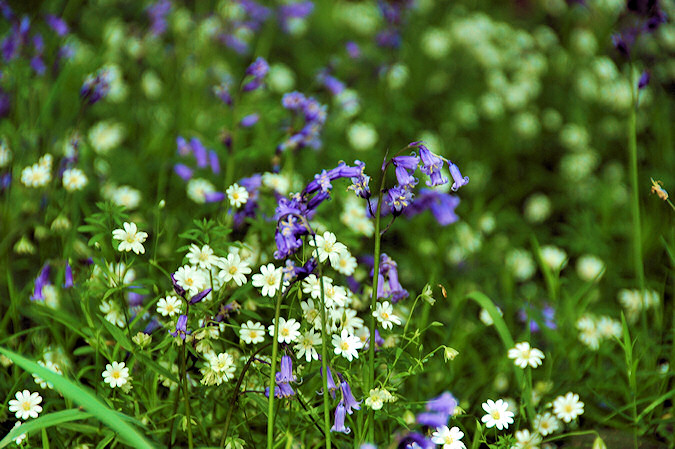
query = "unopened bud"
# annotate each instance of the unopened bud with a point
(450, 353)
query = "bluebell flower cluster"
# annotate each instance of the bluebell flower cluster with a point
(283, 379)
(253, 17)
(203, 157)
(312, 116)
(157, 13)
(257, 70)
(181, 325)
(394, 18)
(346, 406)
(388, 285)
(96, 86)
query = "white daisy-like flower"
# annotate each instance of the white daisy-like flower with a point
(276, 181)
(346, 263)
(36, 175)
(126, 196)
(310, 313)
(328, 248)
(106, 135)
(74, 179)
(520, 262)
(115, 374)
(288, 330)
(364, 334)
(375, 399)
(554, 257)
(306, 345)
(190, 278)
(234, 268)
(524, 355)
(197, 188)
(384, 312)
(112, 313)
(203, 258)
(333, 295)
(268, 279)
(18, 440)
(349, 320)
(497, 415)
(237, 195)
(131, 238)
(252, 333)
(169, 306)
(347, 345)
(527, 440)
(568, 407)
(546, 424)
(590, 268)
(223, 364)
(50, 366)
(26, 405)
(608, 327)
(448, 438)
(312, 286)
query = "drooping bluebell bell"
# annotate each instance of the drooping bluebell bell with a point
(249, 120)
(350, 402)
(457, 177)
(388, 285)
(180, 291)
(442, 206)
(353, 49)
(157, 13)
(57, 24)
(332, 84)
(200, 153)
(431, 166)
(214, 162)
(222, 91)
(439, 411)
(258, 70)
(293, 101)
(181, 328)
(96, 86)
(417, 438)
(398, 198)
(286, 370)
(330, 382)
(405, 167)
(183, 171)
(644, 80)
(41, 282)
(200, 296)
(432, 419)
(339, 423)
(68, 282)
(360, 184)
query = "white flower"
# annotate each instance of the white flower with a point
(334, 295)
(233, 268)
(384, 312)
(375, 399)
(306, 345)
(203, 257)
(131, 238)
(346, 345)
(346, 263)
(276, 181)
(486, 318)
(36, 175)
(190, 278)
(554, 257)
(497, 414)
(328, 248)
(310, 313)
(590, 268)
(73, 179)
(524, 355)
(197, 188)
(18, 440)
(26, 405)
(223, 364)
(237, 195)
(609, 327)
(112, 313)
(252, 333)
(520, 263)
(448, 438)
(268, 279)
(568, 407)
(5, 153)
(169, 306)
(50, 366)
(288, 330)
(115, 374)
(589, 333)
(546, 424)
(527, 440)
(126, 196)
(312, 286)
(104, 136)
(349, 321)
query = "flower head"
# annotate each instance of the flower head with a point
(268, 279)
(252, 333)
(448, 438)
(26, 405)
(568, 407)
(384, 312)
(497, 414)
(288, 330)
(347, 345)
(524, 355)
(131, 238)
(115, 374)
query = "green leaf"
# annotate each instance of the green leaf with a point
(119, 336)
(42, 422)
(88, 400)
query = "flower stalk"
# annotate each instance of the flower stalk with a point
(273, 372)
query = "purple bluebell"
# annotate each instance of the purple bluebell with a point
(181, 327)
(398, 198)
(234, 42)
(152, 326)
(341, 171)
(293, 101)
(348, 398)
(459, 181)
(442, 206)
(405, 166)
(157, 13)
(388, 284)
(330, 382)
(182, 146)
(6, 10)
(258, 70)
(339, 423)
(199, 296)
(360, 183)
(38, 65)
(431, 166)
(313, 110)
(68, 283)
(180, 291)
(96, 86)
(286, 370)
(444, 403)
(332, 84)
(249, 120)
(5, 180)
(353, 49)
(214, 162)
(432, 419)
(294, 10)
(414, 437)
(134, 299)
(214, 197)
(41, 282)
(257, 12)
(281, 390)
(200, 152)
(183, 171)
(222, 91)
(644, 80)
(57, 24)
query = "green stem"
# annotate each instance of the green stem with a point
(635, 206)
(273, 370)
(186, 395)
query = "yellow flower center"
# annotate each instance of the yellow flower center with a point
(285, 332)
(233, 269)
(26, 406)
(116, 374)
(495, 415)
(344, 345)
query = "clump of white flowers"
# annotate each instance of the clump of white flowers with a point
(38, 174)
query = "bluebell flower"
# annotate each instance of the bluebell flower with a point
(432, 419)
(339, 424)
(457, 177)
(330, 382)
(419, 439)
(96, 86)
(286, 370)
(445, 403)
(57, 24)
(353, 49)
(200, 153)
(398, 198)
(281, 389)
(41, 282)
(293, 101)
(431, 166)
(68, 283)
(157, 13)
(405, 166)
(199, 296)
(442, 206)
(644, 80)
(180, 291)
(214, 197)
(295, 10)
(360, 183)
(388, 284)
(181, 327)
(183, 171)
(258, 70)
(182, 147)
(249, 120)
(332, 84)
(348, 398)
